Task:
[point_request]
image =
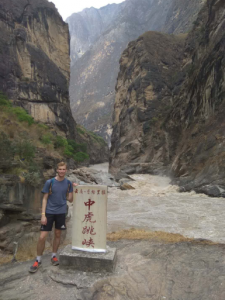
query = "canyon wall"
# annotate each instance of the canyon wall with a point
(35, 62)
(102, 37)
(175, 124)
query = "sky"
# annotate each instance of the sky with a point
(67, 7)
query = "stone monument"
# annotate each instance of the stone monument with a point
(89, 252)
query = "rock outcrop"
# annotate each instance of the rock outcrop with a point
(34, 74)
(197, 117)
(186, 137)
(35, 63)
(101, 36)
(144, 270)
(143, 97)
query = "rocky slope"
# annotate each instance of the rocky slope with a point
(34, 57)
(148, 71)
(186, 138)
(144, 270)
(103, 35)
(35, 63)
(87, 26)
(34, 74)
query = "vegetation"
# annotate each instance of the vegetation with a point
(97, 138)
(91, 137)
(22, 139)
(72, 149)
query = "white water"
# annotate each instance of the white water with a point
(158, 206)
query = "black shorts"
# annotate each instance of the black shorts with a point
(60, 222)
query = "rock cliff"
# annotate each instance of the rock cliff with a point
(35, 66)
(186, 137)
(34, 61)
(102, 37)
(144, 96)
(34, 74)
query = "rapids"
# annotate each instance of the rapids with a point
(157, 205)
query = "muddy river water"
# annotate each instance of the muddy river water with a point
(157, 205)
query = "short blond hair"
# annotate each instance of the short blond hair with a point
(61, 164)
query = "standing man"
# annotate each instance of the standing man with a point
(56, 192)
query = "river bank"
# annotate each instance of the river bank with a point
(151, 264)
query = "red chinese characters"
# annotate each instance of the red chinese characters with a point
(87, 230)
(89, 203)
(89, 243)
(88, 218)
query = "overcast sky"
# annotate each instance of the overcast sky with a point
(67, 7)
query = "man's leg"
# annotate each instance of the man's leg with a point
(40, 250)
(56, 241)
(41, 243)
(60, 224)
(55, 247)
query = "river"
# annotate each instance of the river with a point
(157, 205)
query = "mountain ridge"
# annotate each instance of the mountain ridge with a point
(92, 84)
(180, 131)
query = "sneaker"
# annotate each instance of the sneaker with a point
(35, 267)
(55, 261)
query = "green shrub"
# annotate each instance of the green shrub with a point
(33, 175)
(4, 100)
(97, 138)
(46, 139)
(77, 147)
(33, 178)
(80, 130)
(25, 150)
(60, 142)
(22, 115)
(43, 126)
(80, 156)
(68, 151)
(7, 151)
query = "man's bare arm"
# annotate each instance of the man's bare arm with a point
(70, 198)
(43, 209)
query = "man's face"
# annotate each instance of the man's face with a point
(61, 171)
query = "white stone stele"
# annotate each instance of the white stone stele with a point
(89, 218)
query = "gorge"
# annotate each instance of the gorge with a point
(98, 38)
(169, 105)
(167, 120)
(37, 129)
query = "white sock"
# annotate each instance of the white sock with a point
(53, 254)
(38, 258)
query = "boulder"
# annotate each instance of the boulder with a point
(126, 186)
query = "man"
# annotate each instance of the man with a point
(56, 192)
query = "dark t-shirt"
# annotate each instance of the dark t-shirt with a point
(56, 203)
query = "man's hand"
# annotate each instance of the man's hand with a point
(43, 220)
(75, 184)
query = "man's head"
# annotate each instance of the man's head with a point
(61, 169)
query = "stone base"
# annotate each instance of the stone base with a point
(86, 261)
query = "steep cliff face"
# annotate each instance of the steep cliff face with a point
(87, 26)
(144, 95)
(187, 138)
(34, 61)
(93, 75)
(198, 160)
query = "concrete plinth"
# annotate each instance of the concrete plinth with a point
(86, 261)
